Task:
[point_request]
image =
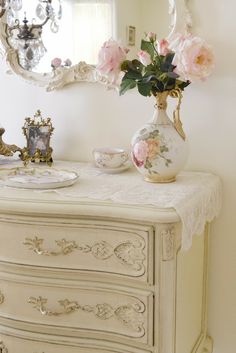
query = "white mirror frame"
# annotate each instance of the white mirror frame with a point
(181, 21)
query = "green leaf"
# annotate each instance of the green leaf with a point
(170, 84)
(169, 58)
(137, 65)
(154, 134)
(125, 65)
(172, 74)
(148, 47)
(144, 89)
(182, 84)
(159, 86)
(127, 84)
(164, 149)
(166, 64)
(148, 78)
(132, 75)
(148, 164)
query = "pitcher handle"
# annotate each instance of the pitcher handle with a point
(177, 93)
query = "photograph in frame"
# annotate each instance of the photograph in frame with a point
(38, 139)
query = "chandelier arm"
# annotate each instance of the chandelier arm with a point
(2, 12)
(17, 26)
(40, 25)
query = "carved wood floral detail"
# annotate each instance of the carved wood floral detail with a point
(128, 253)
(168, 243)
(129, 315)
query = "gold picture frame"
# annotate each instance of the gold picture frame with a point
(38, 132)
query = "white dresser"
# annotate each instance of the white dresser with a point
(85, 275)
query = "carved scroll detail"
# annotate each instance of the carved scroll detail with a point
(3, 348)
(168, 244)
(2, 298)
(208, 345)
(127, 253)
(130, 315)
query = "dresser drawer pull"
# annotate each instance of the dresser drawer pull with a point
(130, 315)
(2, 298)
(65, 247)
(127, 253)
(3, 348)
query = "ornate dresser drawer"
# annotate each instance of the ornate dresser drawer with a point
(79, 309)
(124, 250)
(80, 275)
(26, 342)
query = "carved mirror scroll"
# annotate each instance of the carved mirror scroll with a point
(52, 43)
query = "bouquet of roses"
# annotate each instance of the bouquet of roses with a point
(160, 65)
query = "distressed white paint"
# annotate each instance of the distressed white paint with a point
(86, 116)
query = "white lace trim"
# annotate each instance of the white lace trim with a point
(195, 196)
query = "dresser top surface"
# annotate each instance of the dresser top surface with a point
(193, 199)
(119, 195)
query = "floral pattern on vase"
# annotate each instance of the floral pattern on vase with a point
(159, 151)
(145, 151)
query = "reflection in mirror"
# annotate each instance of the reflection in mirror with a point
(26, 37)
(35, 32)
(41, 30)
(81, 26)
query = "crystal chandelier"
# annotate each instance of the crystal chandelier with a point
(27, 38)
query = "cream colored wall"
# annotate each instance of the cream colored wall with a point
(87, 115)
(129, 13)
(155, 17)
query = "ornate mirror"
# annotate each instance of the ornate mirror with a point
(55, 42)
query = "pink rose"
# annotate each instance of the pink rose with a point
(140, 153)
(194, 59)
(68, 62)
(56, 62)
(151, 36)
(144, 57)
(110, 57)
(163, 47)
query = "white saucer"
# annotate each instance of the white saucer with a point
(39, 178)
(117, 170)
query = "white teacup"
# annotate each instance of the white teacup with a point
(110, 157)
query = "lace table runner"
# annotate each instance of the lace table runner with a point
(195, 196)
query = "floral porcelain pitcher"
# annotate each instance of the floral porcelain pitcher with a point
(161, 68)
(159, 148)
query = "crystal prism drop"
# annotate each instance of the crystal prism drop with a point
(40, 12)
(50, 11)
(5, 5)
(54, 27)
(29, 54)
(10, 18)
(16, 5)
(59, 15)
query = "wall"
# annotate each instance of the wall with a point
(87, 115)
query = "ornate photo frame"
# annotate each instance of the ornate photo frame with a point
(38, 133)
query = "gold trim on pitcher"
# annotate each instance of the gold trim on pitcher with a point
(177, 93)
(159, 179)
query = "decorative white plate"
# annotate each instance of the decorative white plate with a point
(39, 178)
(117, 170)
